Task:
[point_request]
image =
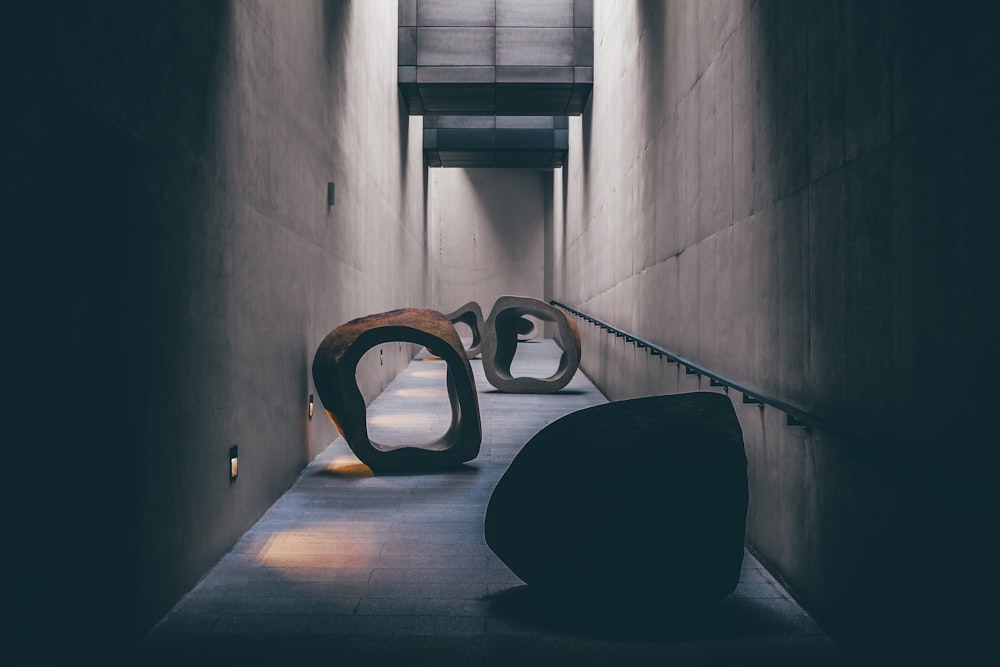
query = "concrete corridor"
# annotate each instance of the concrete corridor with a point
(347, 568)
(798, 196)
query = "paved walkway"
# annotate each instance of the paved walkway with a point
(347, 568)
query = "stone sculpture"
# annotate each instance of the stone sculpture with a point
(500, 337)
(334, 368)
(528, 328)
(640, 501)
(471, 315)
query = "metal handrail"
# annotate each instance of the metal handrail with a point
(793, 415)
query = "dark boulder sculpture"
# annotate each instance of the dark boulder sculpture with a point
(640, 502)
(500, 338)
(334, 374)
(472, 316)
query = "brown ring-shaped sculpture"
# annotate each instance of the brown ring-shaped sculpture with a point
(334, 374)
(500, 344)
(472, 316)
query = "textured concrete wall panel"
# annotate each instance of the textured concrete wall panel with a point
(219, 126)
(487, 235)
(456, 47)
(538, 13)
(534, 46)
(790, 193)
(456, 12)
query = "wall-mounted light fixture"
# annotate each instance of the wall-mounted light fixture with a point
(329, 194)
(311, 403)
(234, 463)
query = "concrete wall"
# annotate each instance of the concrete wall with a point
(170, 269)
(793, 194)
(487, 235)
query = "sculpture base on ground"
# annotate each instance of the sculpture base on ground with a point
(642, 501)
(334, 374)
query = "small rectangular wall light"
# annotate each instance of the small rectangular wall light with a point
(329, 194)
(311, 403)
(234, 462)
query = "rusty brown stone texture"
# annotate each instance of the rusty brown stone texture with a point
(334, 367)
(500, 338)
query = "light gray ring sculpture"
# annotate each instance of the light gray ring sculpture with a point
(334, 374)
(500, 344)
(471, 315)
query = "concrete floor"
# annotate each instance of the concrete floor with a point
(347, 568)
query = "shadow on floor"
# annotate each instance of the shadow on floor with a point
(561, 392)
(731, 618)
(354, 469)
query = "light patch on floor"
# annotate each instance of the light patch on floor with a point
(327, 546)
(348, 466)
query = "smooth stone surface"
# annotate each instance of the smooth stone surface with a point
(500, 338)
(642, 501)
(334, 368)
(528, 328)
(472, 316)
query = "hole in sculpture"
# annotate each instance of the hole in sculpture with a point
(528, 327)
(413, 410)
(524, 326)
(531, 359)
(465, 333)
